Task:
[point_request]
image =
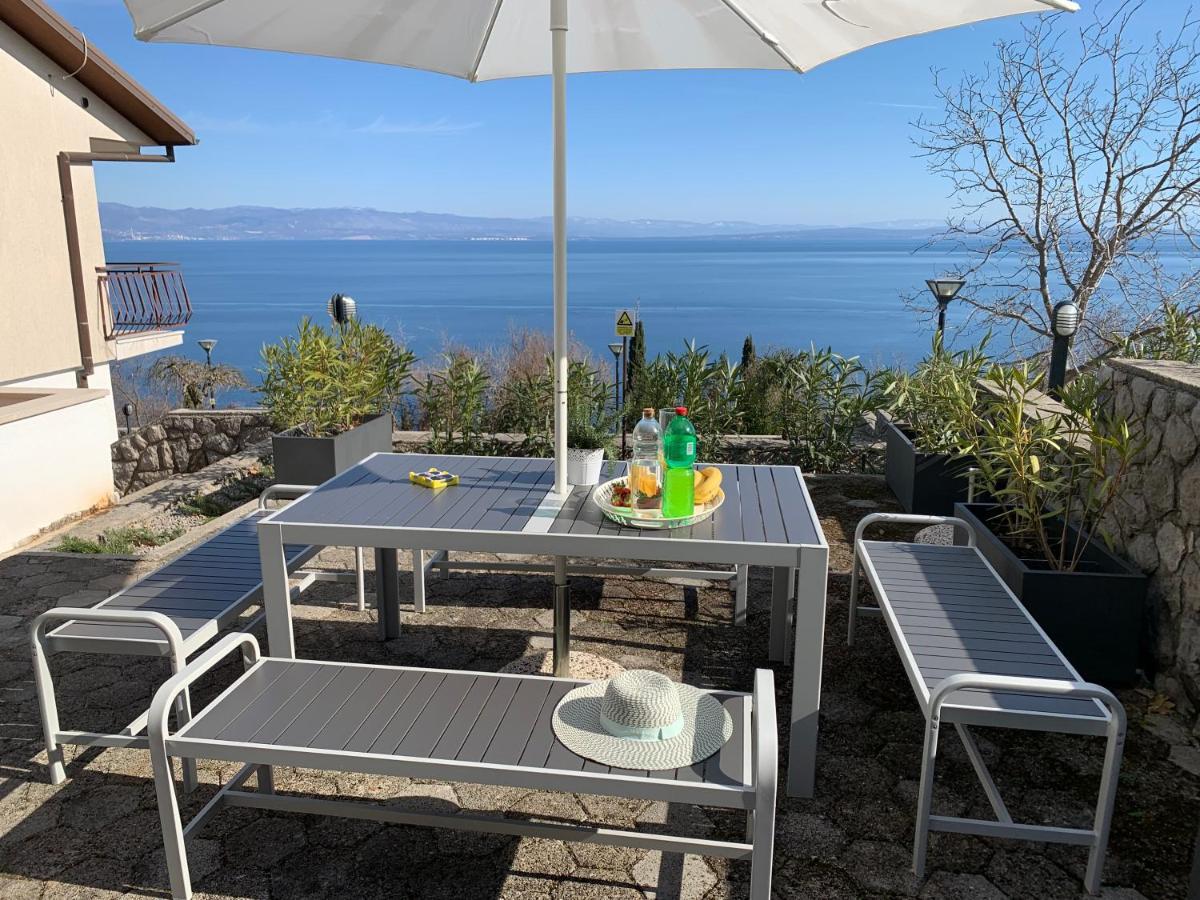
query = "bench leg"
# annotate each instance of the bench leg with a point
(1104, 810)
(360, 579)
(172, 827)
(48, 707)
(741, 592)
(183, 715)
(925, 797)
(418, 570)
(853, 616)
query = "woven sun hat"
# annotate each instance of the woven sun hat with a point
(641, 720)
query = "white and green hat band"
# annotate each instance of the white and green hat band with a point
(641, 720)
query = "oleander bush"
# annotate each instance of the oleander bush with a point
(326, 381)
(937, 401)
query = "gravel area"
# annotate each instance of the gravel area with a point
(97, 835)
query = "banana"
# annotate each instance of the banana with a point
(708, 484)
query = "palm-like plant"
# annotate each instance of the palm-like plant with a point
(937, 401)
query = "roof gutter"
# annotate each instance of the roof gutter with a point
(74, 257)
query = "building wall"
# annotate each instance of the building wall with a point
(1156, 521)
(53, 466)
(43, 114)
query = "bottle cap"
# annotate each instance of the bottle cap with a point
(648, 411)
(681, 410)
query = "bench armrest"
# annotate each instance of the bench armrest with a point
(106, 615)
(910, 519)
(283, 492)
(164, 697)
(765, 743)
(1053, 687)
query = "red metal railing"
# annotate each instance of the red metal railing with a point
(143, 296)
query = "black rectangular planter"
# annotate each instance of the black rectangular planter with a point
(925, 483)
(1093, 615)
(313, 460)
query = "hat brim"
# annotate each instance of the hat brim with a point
(706, 728)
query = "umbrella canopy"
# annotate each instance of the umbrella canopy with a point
(481, 40)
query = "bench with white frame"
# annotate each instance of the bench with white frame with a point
(975, 657)
(482, 728)
(173, 612)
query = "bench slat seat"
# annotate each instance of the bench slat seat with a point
(203, 592)
(930, 592)
(476, 727)
(975, 657)
(493, 720)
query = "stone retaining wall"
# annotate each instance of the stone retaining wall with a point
(186, 440)
(1156, 521)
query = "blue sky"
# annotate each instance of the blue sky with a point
(831, 147)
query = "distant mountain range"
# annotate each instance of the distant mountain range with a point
(247, 223)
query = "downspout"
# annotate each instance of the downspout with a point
(74, 258)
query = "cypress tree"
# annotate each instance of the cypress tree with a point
(748, 355)
(637, 360)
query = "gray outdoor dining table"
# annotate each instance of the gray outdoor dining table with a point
(507, 505)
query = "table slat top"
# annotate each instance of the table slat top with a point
(767, 505)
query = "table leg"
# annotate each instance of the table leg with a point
(741, 592)
(562, 619)
(781, 598)
(806, 671)
(418, 570)
(276, 597)
(387, 592)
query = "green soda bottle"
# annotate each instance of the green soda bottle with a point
(679, 480)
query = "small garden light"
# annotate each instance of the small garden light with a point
(616, 348)
(207, 346)
(341, 308)
(944, 290)
(1064, 322)
(127, 409)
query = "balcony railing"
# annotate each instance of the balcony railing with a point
(143, 296)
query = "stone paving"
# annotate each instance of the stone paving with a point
(97, 835)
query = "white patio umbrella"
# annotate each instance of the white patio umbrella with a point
(481, 40)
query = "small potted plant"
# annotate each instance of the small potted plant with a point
(928, 426)
(1055, 470)
(589, 425)
(330, 395)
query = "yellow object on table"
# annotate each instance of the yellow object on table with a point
(436, 479)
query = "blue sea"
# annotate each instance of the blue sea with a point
(842, 293)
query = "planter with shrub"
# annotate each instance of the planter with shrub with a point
(331, 395)
(1055, 472)
(930, 424)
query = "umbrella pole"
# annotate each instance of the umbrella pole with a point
(558, 35)
(562, 604)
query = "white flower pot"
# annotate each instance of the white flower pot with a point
(583, 466)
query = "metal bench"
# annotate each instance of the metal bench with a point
(445, 725)
(975, 656)
(174, 612)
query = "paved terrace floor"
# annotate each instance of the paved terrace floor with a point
(97, 836)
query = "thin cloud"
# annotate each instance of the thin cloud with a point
(241, 125)
(902, 105)
(436, 126)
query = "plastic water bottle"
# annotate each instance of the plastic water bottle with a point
(645, 472)
(679, 480)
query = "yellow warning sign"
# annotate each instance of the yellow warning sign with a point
(626, 319)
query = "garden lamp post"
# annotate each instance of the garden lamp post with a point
(616, 349)
(207, 346)
(341, 309)
(1064, 322)
(944, 290)
(127, 409)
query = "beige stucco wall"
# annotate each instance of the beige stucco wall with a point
(53, 466)
(39, 117)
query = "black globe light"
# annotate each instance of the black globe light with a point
(1064, 323)
(127, 409)
(341, 308)
(944, 290)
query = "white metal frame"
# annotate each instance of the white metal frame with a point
(174, 646)
(757, 799)
(938, 708)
